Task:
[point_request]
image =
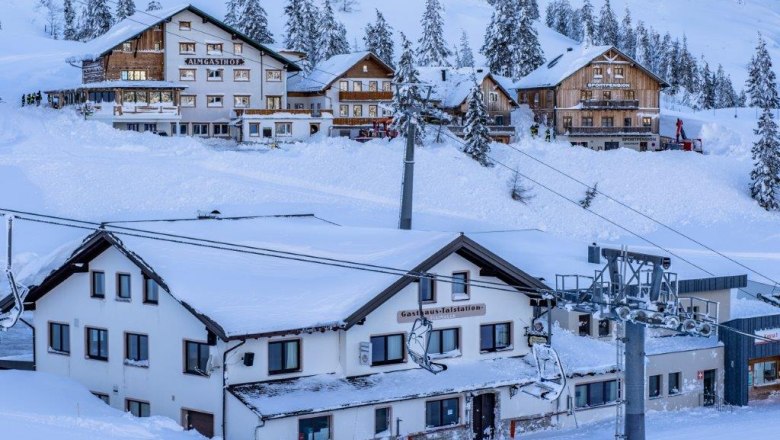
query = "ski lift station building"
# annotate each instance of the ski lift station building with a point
(259, 342)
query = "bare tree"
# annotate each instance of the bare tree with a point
(518, 190)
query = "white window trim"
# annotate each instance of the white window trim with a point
(248, 75)
(194, 101)
(221, 102)
(194, 74)
(221, 75)
(276, 131)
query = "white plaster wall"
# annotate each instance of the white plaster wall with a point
(689, 363)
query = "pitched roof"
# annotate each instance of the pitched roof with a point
(556, 70)
(328, 71)
(452, 90)
(139, 22)
(252, 293)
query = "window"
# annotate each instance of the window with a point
(157, 97)
(444, 341)
(241, 101)
(59, 338)
(494, 337)
(283, 128)
(127, 46)
(595, 394)
(183, 129)
(626, 122)
(343, 86)
(427, 287)
(196, 358)
(373, 86)
(372, 111)
(382, 420)
(387, 86)
(587, 121)
(603, 327)
(123, 286)
(241, 75)
(344, 110)
(185, 26)
(493, 96)
(584, 325)
(97, 344)
(618, 72)
(254, 130)
(460, 285)
(267, 132)
(214, 48)
(284, 356)
(315, 428)
(607, 121)
(606, 95)
(187, 100)
(137, 408)
(98, 285)
(104, 397)
(647, 121)
(674, 383)
(763, 373)
(654, 386)
(136, 349)
(586, 95)
(387, 349)
(273, 102)
(151, 291)
(132, 75)
(153, 129)
(200, 129)
(524, 98)
(214, 101)
(611, 145)
(442, 412)
(221, 130)
(186, 48)
(133, 127)
(238, 48)
(357, 86)
(567, 122)
(536, 98)
(357, 110)
(300, 106)
(186, 74)
(598, 72)
(273, 75)
(629, 94)
(214, 74)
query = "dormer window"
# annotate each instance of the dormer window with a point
(365, 68)
(127, 46)
(598, 72)
(618, 72)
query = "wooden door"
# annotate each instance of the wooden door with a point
(484, 416)
(201, 422)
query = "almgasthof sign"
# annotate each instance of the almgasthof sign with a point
(214, 61)
(770, 333)
(446, 312)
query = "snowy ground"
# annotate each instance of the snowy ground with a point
(38, 406)
(17, 342)
(760, 420)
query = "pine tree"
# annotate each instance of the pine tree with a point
(499, 46)
(254, 22)
(407, 95)
(707, 97)
(608, 30)
(312, 21)
(69, 31)
(725, 95)
(588, 22)
(379, 39)
(627, 36)
(464, 50)
(765, 177)
(531, 8)
(643, 49)
(573, 23)
(302, 30)
(689, 68)
(96, 20)
(153, 5)
(124, 9)
(530, 55)
(551, 14)
(590, 194)
(234, 8)
(657, 50)
(432, 48)
(664, 57)
(476, 132)
(762, 82)
(742, 100)
(333, 38)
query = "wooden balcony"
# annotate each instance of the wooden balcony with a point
(622, 104)
(355, 122)
(365, 96)
(269, 112)
(595, 131)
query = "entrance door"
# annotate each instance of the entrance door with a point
(201, 422)
(484, 417)
(709, 387)
(643, 146)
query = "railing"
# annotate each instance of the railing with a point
(365, 96)
(119, 110)
(609, 130)
(611, 103)
(268, 112)
(358, 121)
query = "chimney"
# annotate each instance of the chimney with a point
(594, 254)
(444, 74)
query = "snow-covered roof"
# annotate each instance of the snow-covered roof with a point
(118, 84)
(328, 71)
(657, 345)
(562, 66)
(583, 355)
(452, 88)
(330, 392)
(139, 22)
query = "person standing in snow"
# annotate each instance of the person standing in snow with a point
(547, 135)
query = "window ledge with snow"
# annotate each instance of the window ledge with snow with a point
(134, 363)
(460, 296)
(62, 353)
(449, 354)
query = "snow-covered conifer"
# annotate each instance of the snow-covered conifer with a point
(234, 9)
(765, 177)
(379, 39)
(643, 49)
(500, 45)
(96, 19)
(69, 32)
(762, 81)
(529, 54)
(588, 22)
(407, 94)
(608, 30)
(254, 22)
(725, 95)
(627, 35)
(689, 68)
(707, 95)
(475, 130)
(124, 9)
(531, 8)
(303, 30)
(464, 50)
(153, 5)
(432, 48)
(333, 35)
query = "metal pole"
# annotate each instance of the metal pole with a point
(9, 222)
(408, 183)
(635, 381)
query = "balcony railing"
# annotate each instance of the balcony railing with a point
(268, 112)
(365, 96)
(119, 110)
(611, 103)
(358, 121)
(609, 130)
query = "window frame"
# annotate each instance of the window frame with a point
(138, 336)
(441, 403)
(271, 101)
(586, 121)
(102, 396)
(357, 86)
(215, 48)
(282, 123)
(604, 394)
(386, 361)
(92, 290)
(238, 48)
(328, 417)
(219, 132)
(218, 78)
(273, 75)
(284, 344)
(118, 287)
(247, 98)
(257, 125)
(678, 379)
(440, 332)
(659, 386)
(200, 125)
(609, 328)
(183, 78)
(88, 351)
(140, 403)
(236, 73)
(185, 25)
(146, 298)
(183, 51)
(618, 72)
(196, 371)
(598, 72)
(567, 122)
(466, 295)
(212, 104)
(432, 288)
(343, 110)
(580, 321)
(388, 419)
(607, 121)
(357, 110)
(51, 348)
(647, 121)
(343, 86)
(494, 348)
